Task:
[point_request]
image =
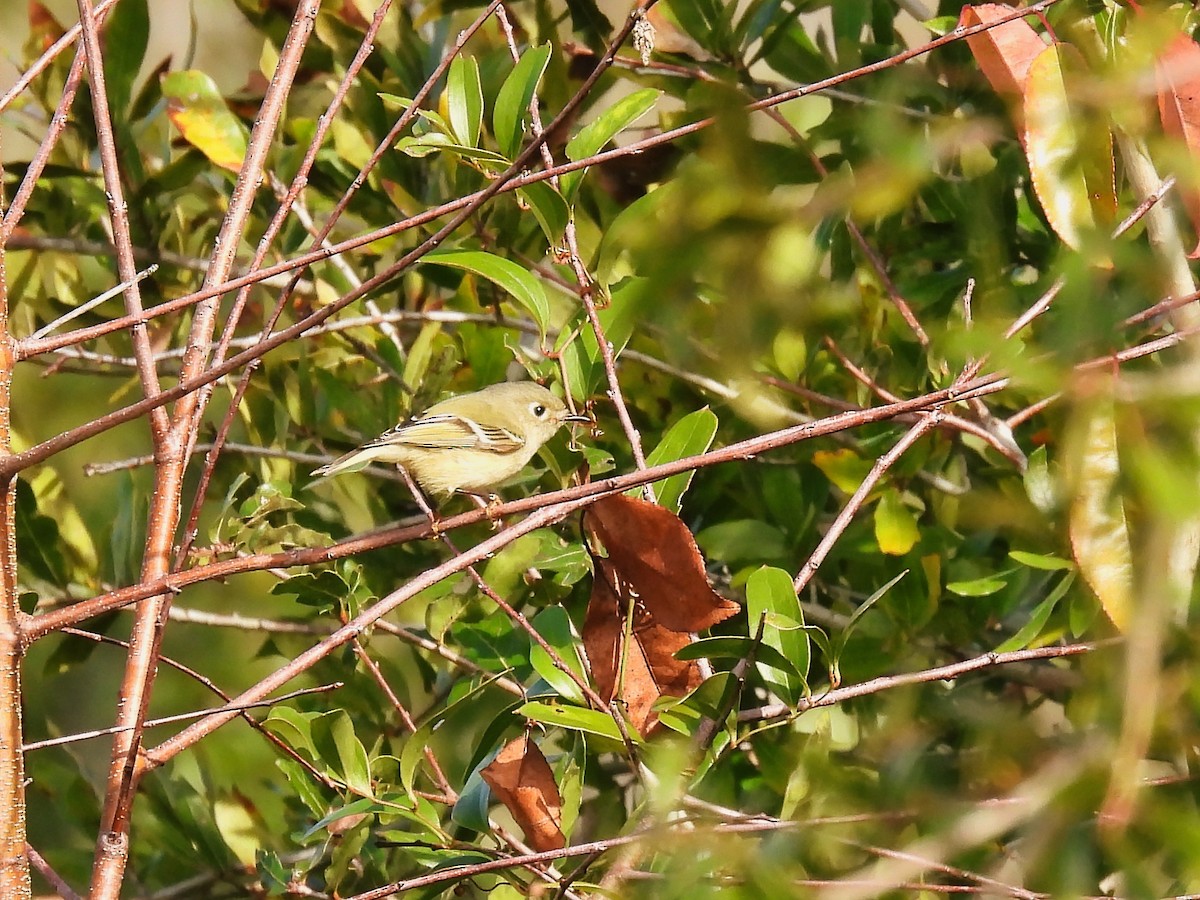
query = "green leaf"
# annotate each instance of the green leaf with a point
(512, 103)
(735, 648)
(593, 136)
(123, 57)
(896, 529)
(198, 110)
(978, 587)
(548, 207)
(771, 598)
(1037, 619)
(515, 279)
(742, 540)
(436, 142)
(582, 362)
(575, 718)
(690, 436)
(39, 540)
(471, 808)
(465, 100)
(554, 625)
(334, 745)
(1043, 561)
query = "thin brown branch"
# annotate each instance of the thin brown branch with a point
(286, 205)
(888, 682)
(118, 216)
(14, 863)
(856, 501)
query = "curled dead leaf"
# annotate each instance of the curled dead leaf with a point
(649, 595)
(521, 779)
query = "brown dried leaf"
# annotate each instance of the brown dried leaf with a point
(1178, 74)
(657, 556)
(521, 779)
(1005, 52)
(650, 668)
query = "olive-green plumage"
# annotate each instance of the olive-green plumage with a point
(468, 443)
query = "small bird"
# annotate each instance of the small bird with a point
(469, 443)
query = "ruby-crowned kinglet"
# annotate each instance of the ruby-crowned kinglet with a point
(468, 443)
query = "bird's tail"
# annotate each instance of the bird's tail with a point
(350, 462)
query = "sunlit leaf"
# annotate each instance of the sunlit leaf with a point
(465, 99)
(690, 436)
(611, 122)
(896, 529)
(1069, 151)
(1099, 533)
(505, 273)
(198, 110)
(512, 103)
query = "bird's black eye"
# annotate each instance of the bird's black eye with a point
(539, 410)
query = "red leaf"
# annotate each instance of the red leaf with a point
(521, 779)
(1005, 52)
(1177, 72)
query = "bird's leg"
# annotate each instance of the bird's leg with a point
(434, 522)
(490, 504)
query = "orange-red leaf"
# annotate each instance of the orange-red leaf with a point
(44, 29)
(1178, 75)
(1005, 52)
(521, 779)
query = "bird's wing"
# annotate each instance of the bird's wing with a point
(450, 432)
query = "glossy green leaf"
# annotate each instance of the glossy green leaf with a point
(512, 103)
(1044, 561)
(976, 587)
(771, 599)
(690, 436)
(464, 96)
(514, 279)
(611, 122)
(554, 625)
(575, 718)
